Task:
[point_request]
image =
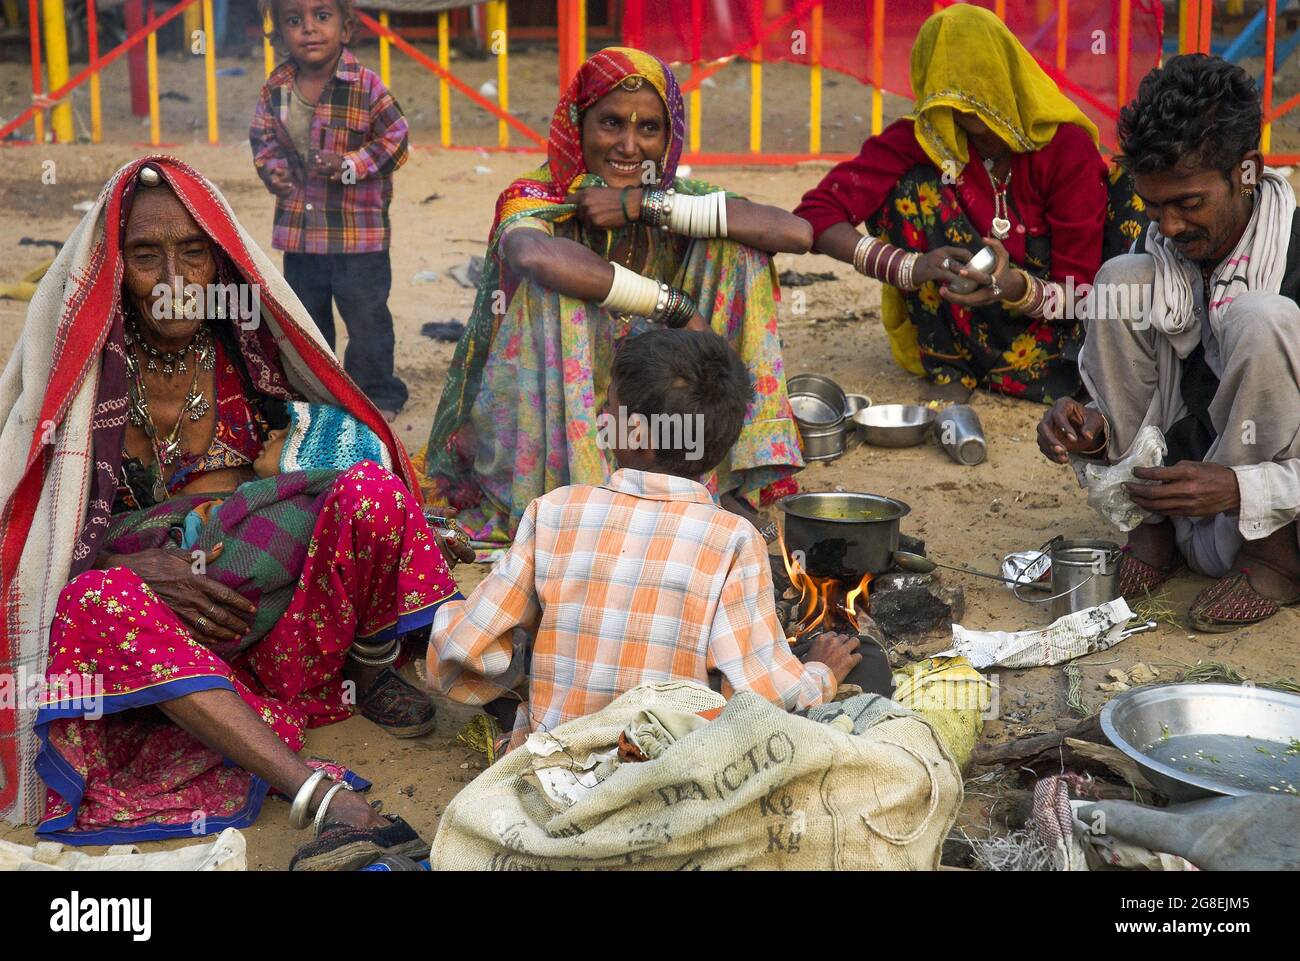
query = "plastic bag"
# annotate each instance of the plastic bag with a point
(1106, 495)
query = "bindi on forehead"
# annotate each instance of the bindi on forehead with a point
(621, 104)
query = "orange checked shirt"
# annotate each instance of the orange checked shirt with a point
(643, 579)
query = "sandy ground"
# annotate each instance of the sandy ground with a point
(1015, 500)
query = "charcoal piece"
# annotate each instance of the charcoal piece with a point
(908, 613)
(913, 545)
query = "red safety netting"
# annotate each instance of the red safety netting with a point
(691, 31)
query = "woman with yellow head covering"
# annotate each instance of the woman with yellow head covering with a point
(992, 153)
(598, 244)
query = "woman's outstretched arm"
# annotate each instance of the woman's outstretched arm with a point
(561, 265)
(760, 226)
(767, 228)
(564, 266)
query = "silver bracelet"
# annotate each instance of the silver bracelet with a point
(378, 649)
(382, 660)
(325, 803)
(302, 800)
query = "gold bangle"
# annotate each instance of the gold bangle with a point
(1028, 296)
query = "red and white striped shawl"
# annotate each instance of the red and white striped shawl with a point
(51, 407)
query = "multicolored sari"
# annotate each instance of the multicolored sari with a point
(94, 750)
(518, 413)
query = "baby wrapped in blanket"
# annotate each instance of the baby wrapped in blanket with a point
(313, 437)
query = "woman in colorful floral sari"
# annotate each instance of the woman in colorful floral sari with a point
(578, 252)
(129, 393)
(992, 153)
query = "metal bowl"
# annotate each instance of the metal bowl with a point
(817, 401)
(822, 443)
(894, 425)
(854, 403)
(812, 411)
(1200, 740)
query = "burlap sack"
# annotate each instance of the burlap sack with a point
(755, 788)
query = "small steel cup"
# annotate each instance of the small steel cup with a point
(960, 434)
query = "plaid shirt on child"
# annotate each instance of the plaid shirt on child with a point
(356, 117)
(642, 579)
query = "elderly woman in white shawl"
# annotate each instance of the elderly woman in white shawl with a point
(1199, 336)
(172, 697)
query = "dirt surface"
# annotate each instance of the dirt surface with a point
(972, 515)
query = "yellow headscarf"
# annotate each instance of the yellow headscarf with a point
(965, 59)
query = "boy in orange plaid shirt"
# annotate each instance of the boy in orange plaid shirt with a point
(326, 138)
(641, 579)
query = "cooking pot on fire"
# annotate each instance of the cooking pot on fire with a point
(842, 534)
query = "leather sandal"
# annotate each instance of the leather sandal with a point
(1231, 602)
(397, 705)
(1137, 577)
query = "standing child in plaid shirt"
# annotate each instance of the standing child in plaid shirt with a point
(641, 579)
(326, 137)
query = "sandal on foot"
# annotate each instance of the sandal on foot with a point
(1230, 603)
(1137, 577)
(346, 847)
(398, 706)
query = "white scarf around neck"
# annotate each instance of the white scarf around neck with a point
(1258, 262)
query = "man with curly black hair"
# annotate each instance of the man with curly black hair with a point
(1197, 332)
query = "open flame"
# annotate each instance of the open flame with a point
(823, 598)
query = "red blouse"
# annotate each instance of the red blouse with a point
(1058, 191)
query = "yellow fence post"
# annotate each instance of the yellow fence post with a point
(193, 20)
(498, 34)
(756, 100)
(210, 71)
(56, 59)
(444, 89)
(815, 83)
(696, 110)
(151, 54)
(877, 66)
(268, 51)
(92, 49)
(385, 55)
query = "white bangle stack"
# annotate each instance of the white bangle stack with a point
(630, 293)
(704, 216)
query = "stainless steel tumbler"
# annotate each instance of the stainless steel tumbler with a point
(960, 434)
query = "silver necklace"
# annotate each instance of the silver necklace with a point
(167, 449)
(1001, 219)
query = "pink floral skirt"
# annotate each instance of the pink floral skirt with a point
(118, 770)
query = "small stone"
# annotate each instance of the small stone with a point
(1113, 688)
(465, 766)
(1141, 674)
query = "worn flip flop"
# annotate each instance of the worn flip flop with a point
(397, 705)
(1230, 603)
(345, 847)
